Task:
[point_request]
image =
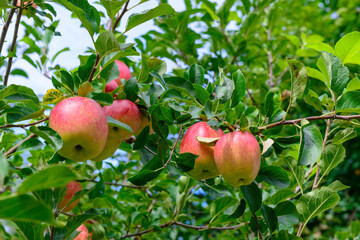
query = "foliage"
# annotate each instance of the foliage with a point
(285, 70)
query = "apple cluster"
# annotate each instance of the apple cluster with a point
(81, 122)
(236, 155)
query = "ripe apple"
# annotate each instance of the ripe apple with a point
(82, 126)
(126, 112)
(124, 73)
(84, 233)
(238, 157)
(71, 188)
(205, 166)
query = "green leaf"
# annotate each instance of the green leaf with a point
(331, 157)
(18, 93)
(106, 42)
(131, 89)
(320, 46)
(32, 231)
(196, 74)
(239, 89)
(355, 229)
(30, 144)
(4, 168)
(348, 48)
(239, 211)
(310, 145)
(137, 19)
(354, 84)
(285, 235)
(49, 135)
(49, 177)
(113, 7)
(314, 73)
(142, 138)
(337, 186)
(298, 80)
(225, 91)
(25, 208)
(19, 72)
(287, 215)
(220, 205)
(315, 202)
(71, 226)
(87, 14)
(201, 94)
(270, 217)
(186, 161)
(103, 98)
(149, 171)
(349, 102)
(144, 72)
(275, 176)
(312, 98)
(119, 124)
(338, 74)
(181, 84)
(297, 171)
(272, 105)
(253, 196)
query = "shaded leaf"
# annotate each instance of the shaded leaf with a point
(252, 195)
(270, 217)
(331, 157)
(349, 102)
(310, 145)
(49, 135)
(298, 80)
(274, 175)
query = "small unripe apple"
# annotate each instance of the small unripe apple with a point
(126, 112)
(238, 157)
(71, 188)
(82, 125)
(205, 166)
(124, 73)
(84, 233)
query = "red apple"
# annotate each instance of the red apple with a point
(82, 126)
(71, 188)
(84, 233)
(205, 166)
(124, 73)
(238, 157)
(126, 112)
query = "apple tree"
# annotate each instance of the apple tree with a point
(233, 119)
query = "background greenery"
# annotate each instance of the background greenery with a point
(134, 192)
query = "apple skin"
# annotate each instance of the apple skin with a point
(124, 73)
(145, 121)
(126, 112)
(71, 188)
(238, 157)
(82, 126)
(84, 233)
(205, 166)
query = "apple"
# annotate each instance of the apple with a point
(126, 112)
(238, 157)
(71, 188)
(124, 73)
(84, 233)
(205, 166)
(145, 121)
(82, 125)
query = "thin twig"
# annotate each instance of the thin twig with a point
(13, 149)
(56, 213)
(312, 118)
(149, 150)
(6, 26)
(24, 125)
(257, 227)
(171, 223)
(12, 47)
(173, 148)
(118, 19)
(95, 67)
(114, 184)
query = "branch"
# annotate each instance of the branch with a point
(94, 68)
(13, 149)
(149, 150)
(173, 148)
(24, 125)
(13, 44)
(312, 118)
(6, 26)
(114, 184)
(257, 227)
(118, 19)
(170, 223)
